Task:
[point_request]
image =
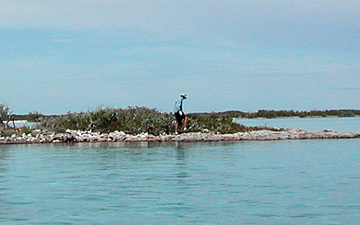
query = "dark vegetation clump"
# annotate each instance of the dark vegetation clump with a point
(286, 113)
(30, 117)
(217, 123)
(5, 116)
(291, 113)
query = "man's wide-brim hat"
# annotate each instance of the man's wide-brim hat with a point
(183, 95)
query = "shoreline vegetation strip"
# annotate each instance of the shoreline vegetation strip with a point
(145, 124)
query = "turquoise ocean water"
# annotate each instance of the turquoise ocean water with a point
(275, 182)
(340, 124)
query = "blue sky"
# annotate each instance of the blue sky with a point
(59, 56)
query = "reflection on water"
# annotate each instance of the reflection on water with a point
(280, 182)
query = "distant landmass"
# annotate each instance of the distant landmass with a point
(35, 116)
(269, 114)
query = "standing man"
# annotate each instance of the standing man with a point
(179, 114)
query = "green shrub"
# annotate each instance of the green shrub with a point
(135, 120)
(132, 120)
(5, 115)
(218, 124)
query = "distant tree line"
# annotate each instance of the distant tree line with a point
(31, 117)
(283, 113)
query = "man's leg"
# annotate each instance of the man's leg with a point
(186, 120)
(176, 127)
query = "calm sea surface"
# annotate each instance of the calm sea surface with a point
(276, 182)
(342, 124)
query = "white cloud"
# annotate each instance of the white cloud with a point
(301, 24)
(174, 15)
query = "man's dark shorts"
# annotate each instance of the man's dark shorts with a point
(179, 117)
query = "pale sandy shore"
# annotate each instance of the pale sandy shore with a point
(71, 136)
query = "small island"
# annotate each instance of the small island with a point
(141, 124)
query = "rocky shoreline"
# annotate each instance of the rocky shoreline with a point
(71, 136)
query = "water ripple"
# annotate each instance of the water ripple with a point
(298, 182)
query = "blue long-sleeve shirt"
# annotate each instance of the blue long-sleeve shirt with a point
(179, 105)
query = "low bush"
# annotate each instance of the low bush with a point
(218, 124)
(5, 115)
(132, 120)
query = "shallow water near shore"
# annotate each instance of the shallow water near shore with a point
(278, 182)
